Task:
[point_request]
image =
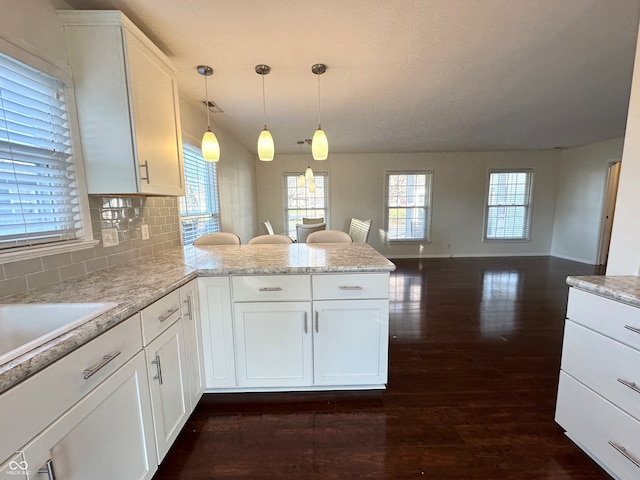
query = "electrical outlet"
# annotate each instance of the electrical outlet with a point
(110, 237)
(144, 231)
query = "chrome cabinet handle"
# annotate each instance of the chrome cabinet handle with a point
(317, 322)
(271, 289)
(188, 303)
(306, 328)
(625, 454)
(145, 165)
(157, 363)
(350, 287)
(90, 372)
(632, 385)
(48, 469)
(633, 329)
(166, 315)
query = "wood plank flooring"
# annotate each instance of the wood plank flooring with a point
(473, 368)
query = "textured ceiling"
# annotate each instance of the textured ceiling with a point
(403, 75)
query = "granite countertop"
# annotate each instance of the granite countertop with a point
(139, 283)
(622, 288)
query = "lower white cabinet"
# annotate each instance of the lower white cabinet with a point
(191, 324)
(273, 343)
(168, 385)
(107, 435)
(350, 342)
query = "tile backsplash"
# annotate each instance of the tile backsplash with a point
(125, 214)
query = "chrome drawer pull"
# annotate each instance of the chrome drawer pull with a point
(188, 303)
(157, 363)
(631, 385)
(633, 329)
(306, 327)
(163, 317)
(625, 454)
(271, 289)
(48, 469)
(89, 372)
(350, 287)
(317, 322)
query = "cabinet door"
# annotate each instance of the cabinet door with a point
(107, 435)
(217, 332)
(273, 344)
(156, 121)
(350, 342)
(168, 385)
(192, 341)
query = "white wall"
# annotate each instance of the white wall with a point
(459, 191)
(236, 172)
(624, 250)
(581, 189)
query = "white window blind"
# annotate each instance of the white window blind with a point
(509, 205)
(199, 208)
(408, 206)
(299, 202)
(38, 191)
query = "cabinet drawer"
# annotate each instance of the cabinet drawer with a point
(615, 375)
(348, 286)
(267, 288)
(613, 319)
(63, 383)
(160, 315)
(592, 422)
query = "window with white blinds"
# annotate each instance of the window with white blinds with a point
(408, 206)
(38, 190)
(508, 211)
(200, 207)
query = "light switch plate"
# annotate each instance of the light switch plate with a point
(144, 231)
(110, 237)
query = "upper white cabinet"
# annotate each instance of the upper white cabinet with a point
(127, 101)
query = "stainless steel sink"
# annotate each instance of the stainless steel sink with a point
(26, 326)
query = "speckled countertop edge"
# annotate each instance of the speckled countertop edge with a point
(620, 288)
(137, 284)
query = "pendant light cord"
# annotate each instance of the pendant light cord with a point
(206, 102)
(264, 105)
(318, 100)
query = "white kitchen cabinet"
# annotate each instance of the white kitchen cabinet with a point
(168, 385)
(217, 332)
(273, 343)
(350, 340)
(107, 435)
(598, 400)
(127, 102)
(191, 324)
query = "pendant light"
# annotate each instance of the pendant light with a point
(266, 148)
(300, 183)
(319, 144)
(210, 145)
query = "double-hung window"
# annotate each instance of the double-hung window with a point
(408, 206)
(40, 203)
(299, 202)
(200, 207)
(508, 209)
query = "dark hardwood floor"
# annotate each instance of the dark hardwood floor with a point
(473, 367)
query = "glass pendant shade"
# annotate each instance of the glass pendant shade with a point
(308, 174)
(210, 147)
(319, 145)
(266, 148)
(312, 187)
(300, 181)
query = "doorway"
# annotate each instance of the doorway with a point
(608, 210)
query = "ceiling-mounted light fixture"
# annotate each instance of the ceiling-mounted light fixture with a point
(210, 146)
(266, 148)
(319, 145)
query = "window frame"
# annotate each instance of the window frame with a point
(285, 199)
(214, 189)
(84, 239)
(529, 206)
(428, 205)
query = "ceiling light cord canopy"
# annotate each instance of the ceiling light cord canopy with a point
(210, 146)
(266, 147)
(319, 144)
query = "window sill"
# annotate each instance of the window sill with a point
(506, 240)
(26, 253)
